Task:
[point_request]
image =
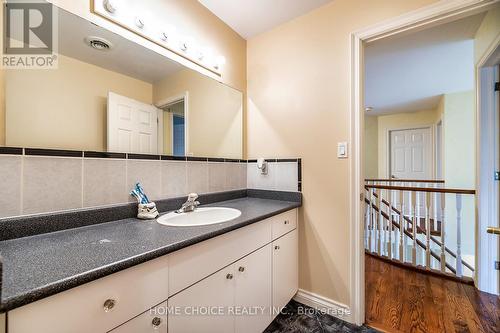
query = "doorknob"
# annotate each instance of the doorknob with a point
(493, 230)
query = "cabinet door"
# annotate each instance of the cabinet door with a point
(151, 321)
(204, 306)
(285, 269)
(253, 295)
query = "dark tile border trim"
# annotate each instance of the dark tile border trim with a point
(97, 154)
(143, 157)
(11, 151)
(214, 159)
(173, 158)
(196, 159)
(53, 152)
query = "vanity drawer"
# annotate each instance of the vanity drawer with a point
(83, 309)
(154, 321)
(191, 264)
(284, 223)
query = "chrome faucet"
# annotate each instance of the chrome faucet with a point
(190, 205)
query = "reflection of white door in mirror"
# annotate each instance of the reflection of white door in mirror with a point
(132, 126)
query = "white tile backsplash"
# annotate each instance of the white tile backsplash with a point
(146, 172)
(104, 182)
(51, 184)
(197, 177)
(217, 176)
(173, 179)
(281, 176)
(10, 178)
(43, 184)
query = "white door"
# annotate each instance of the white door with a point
(132, 126)
(210, 294)
(411, 158)
(285, 269)
(253, 291)
(411, 154)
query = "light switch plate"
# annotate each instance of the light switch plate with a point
(342, 150)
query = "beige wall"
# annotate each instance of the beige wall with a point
(298, 105)
(424, 118)
(64, 108)
(487, 33)
(215, 115)
(459, 163)
(371, 147)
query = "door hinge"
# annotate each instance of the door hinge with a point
(497, 86)
(497, 175)
(497, 265)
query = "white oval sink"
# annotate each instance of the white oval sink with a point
(201, 216)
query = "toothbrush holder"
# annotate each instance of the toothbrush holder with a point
(147, 211)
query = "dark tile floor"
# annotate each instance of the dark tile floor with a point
(297, 317)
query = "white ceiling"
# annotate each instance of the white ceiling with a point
(125, 57)
(410, 73)
(252, 17)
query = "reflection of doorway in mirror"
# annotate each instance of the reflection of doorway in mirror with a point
(173, 131)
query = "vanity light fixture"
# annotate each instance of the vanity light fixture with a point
(164, 35)
(98, 43)
(109, 5)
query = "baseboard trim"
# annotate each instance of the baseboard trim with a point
(324, 304)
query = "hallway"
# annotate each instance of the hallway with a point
(402, 300)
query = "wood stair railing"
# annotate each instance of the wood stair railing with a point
(416, 222)
(421, 230)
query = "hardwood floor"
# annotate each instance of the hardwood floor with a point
(401, 300)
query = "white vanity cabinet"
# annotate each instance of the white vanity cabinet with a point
(236, 298)
(151, 321)
(230, 283)
(285, 269)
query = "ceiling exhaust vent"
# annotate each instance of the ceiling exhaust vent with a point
(98, 43)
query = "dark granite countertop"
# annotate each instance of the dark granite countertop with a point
(42, 265)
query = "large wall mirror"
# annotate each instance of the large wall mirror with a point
(110, 94)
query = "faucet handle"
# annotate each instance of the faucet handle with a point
(192, 197)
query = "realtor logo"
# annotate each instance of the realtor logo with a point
(30, 35)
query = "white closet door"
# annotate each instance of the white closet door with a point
(132, 125)
(411, 154)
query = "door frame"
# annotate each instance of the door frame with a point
(488, 196)
(432, 162)
(171, 100)
(428, 16)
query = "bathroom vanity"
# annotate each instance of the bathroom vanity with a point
(235, 280)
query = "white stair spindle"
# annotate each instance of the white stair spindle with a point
(459, 269)
(414, 228)
(367, 219)
(428, 229)
(443, 247)
(389, 248)
(401, 228)
(379, 222)
(372, 219)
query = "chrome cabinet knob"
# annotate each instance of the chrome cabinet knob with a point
(276, 247)
(156, 322)
(109, 304)
(229, 276)
(287, 222)
(241, 269)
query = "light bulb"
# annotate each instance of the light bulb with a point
(139, 22)
(219, 62)
(109, 5)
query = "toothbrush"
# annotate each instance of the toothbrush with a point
(136, 195)
(139, 189)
